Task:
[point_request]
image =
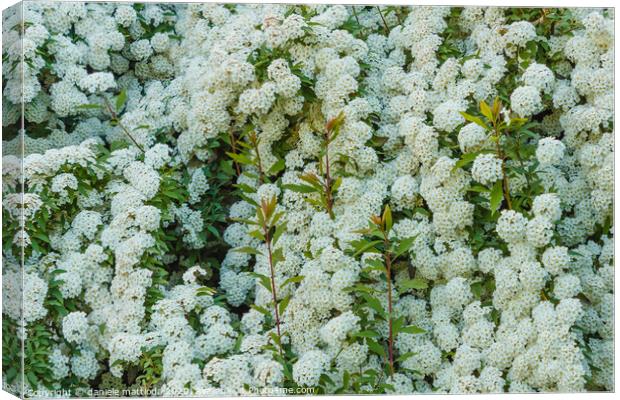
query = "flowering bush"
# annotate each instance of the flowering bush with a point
(230, 199)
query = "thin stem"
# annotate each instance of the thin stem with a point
(328, 180)
(233, 145)
(261, 174)
(518, 153)
(400, 21)
(273, 286)
(118, 121)
(388, 269)
(355, 14)
(387, 28)
(500, 155)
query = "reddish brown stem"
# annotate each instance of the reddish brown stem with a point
(261, 174)
(233, 145)
(118, 121)
(388, 273)
(500, 155)
(273, 287)
(387, 28)
(328, 178)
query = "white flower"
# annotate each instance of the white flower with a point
(539, 76)
(519, 33)
(511, 226)
(198, 186)
(471, 137)
(141, 49)
(157, 156)
(309, 368)
(143, 178)
(62, 182)
(487, 169)
(547, 205)
(526, 101)
(550, 151)
(74, 327)
(97, 82)
(539, 231)
(556, 259)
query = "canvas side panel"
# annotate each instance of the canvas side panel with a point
(12, 205)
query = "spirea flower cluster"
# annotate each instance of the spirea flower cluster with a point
(198, 180)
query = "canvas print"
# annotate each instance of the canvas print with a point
(204, 199)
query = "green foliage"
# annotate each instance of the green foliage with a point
(151, 367)
(514, 143)
(385, 250)
(267, 227)
(37, 349)
(324, 186)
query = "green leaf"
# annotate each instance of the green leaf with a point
(373, 303)
(299, 188)
(277, 167)
(277, 256)
(387, 218)
(497, 194)
(295, 279)
(404, 246)
(375, 347)
(412, 329)
(362, 246)
(374, 265)
(360, 288)
(275, 338)
(264, 280)
(261, 310)
(423, 211)
(477, 289)
(405, 356)
(245, 221)
(366, 334)
(283, 304)
(478, 189)
(486, 110)
(465, 159)
(336, 184)
(397, 324)
(120, 100)
(42, 236)
(257, 235)
(205, 291)
(475, 120)
(240, 158)
(245, 188)
(325, 379)
(278, 232)
(248, 250)
(416, 283)
(173, 195)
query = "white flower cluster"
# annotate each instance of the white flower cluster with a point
(130, 215)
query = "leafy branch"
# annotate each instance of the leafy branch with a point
(377, 240)
(385, 25)
(512, 140)
(249, 155)
(269, 231)
(120, 102)
(325, 185)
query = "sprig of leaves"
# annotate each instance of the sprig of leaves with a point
(325, 186)
(377, 240)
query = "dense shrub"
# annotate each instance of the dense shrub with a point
(233, 199)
